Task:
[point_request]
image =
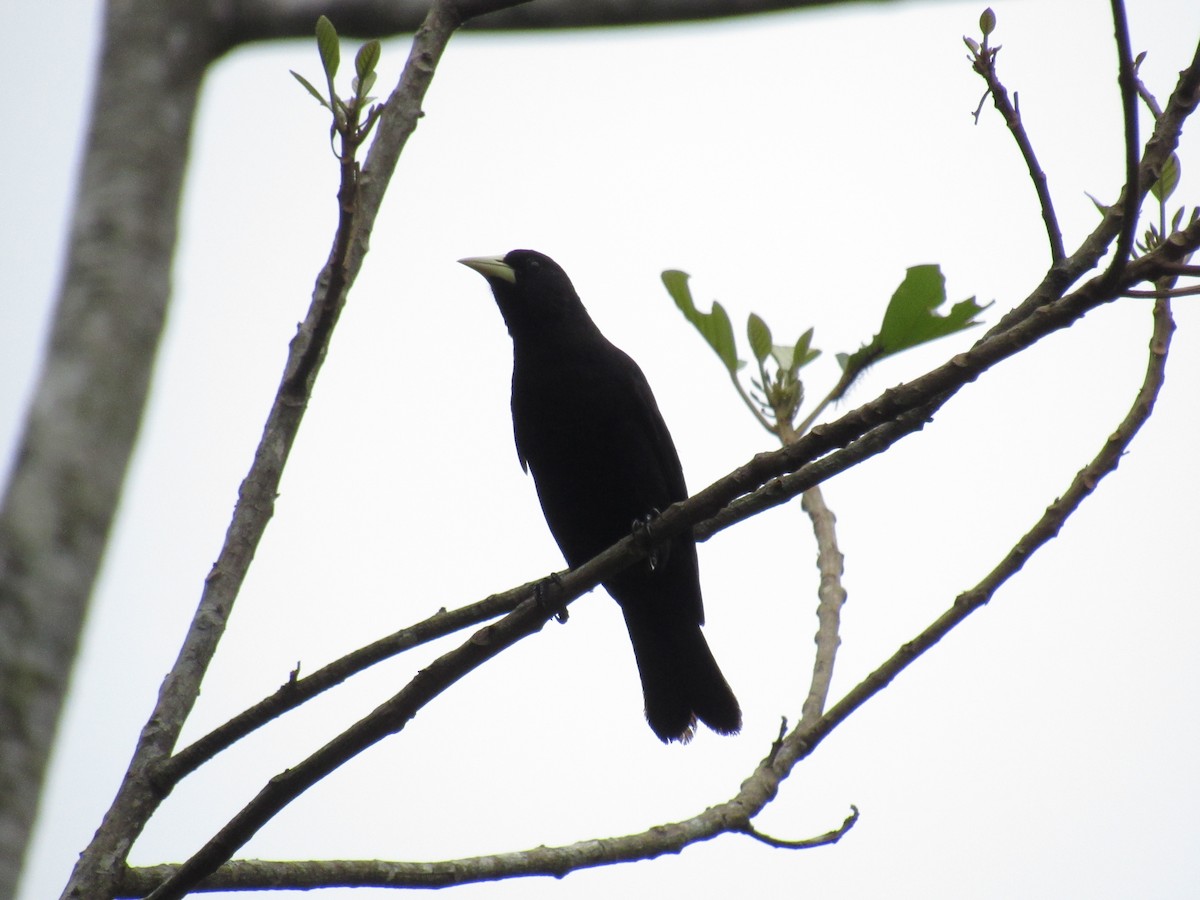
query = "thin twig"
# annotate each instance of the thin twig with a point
(1192, 291)
(984, 62)
(1148, 98)
(1163, 142)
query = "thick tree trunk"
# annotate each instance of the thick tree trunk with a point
(90, 395)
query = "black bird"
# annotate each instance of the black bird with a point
(587, 426)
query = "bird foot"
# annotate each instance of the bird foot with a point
(656, 551)
(549, 602)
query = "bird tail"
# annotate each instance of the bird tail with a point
(681, 681)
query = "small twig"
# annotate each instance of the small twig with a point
(1144, 92)
(829, 837)
(1192, 291)
(984, 62)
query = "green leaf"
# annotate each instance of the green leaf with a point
(715, 326)
(328, 47)
(796, 358)
(760, 338)
(312, 90)
(366, 60)
(912, 319)
(987, 22)
(1168, 179)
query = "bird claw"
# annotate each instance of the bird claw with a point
(550, 604)
(656, 552)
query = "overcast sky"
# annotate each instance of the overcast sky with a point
(795, 165)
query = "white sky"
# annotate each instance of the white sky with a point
(795, 165)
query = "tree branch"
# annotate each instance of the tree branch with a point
(1133, 192)
(1161, 145)
(983, 61)
(87, 404)
(832, 597)
(256, 20)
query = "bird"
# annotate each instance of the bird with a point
(589, 430)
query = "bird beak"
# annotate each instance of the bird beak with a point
(491, 267)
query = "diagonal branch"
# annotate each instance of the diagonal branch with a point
(297, 691)
(983, 61)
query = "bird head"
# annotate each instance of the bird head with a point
(532, 290)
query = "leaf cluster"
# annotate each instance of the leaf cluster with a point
(777, 394)
(347, 112)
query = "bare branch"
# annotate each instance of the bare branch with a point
(1192, 291)
(1132, 194)
(832, 596)
(983, 60)
(297, 691)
